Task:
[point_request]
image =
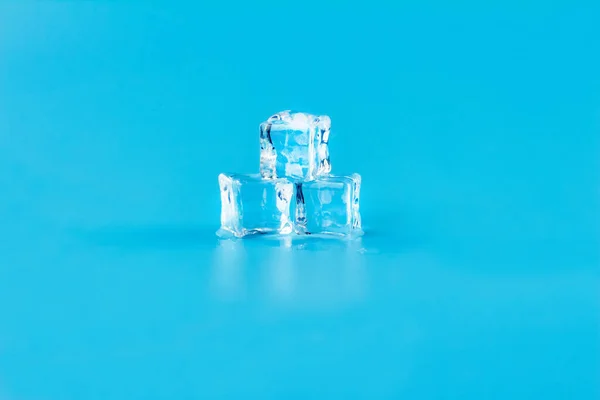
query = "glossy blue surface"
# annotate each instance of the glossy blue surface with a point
(476, 132)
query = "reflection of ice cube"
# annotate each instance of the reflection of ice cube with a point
(329, 205)
(295, 145)
(250, 205)
(228, 269)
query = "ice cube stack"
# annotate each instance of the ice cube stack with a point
(294, 191)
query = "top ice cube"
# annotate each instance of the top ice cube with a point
(295, 145)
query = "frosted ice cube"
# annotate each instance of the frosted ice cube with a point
(250, 205)
(328, 205)
(295, 145)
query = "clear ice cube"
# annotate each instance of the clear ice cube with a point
(251, 205)
(295, 145)
(328, 205)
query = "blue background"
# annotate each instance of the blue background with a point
(475, 129)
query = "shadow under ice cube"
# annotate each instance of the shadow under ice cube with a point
(251, 205)
(329, 205)
(295, 145)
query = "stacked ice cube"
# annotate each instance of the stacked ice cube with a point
(294, 192)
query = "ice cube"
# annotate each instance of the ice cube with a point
(328, 205)
(251, 205)
(295, 145)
